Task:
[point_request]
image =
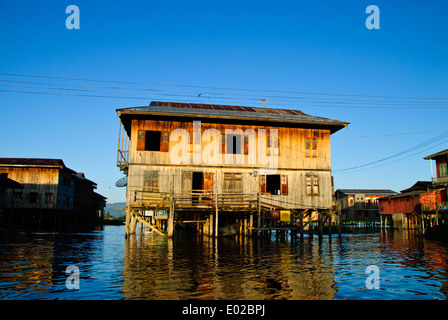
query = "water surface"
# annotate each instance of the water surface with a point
(148, 266)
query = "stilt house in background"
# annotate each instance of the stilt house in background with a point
(425, 203)
(46, 193)
(360, 204)
(192, 163)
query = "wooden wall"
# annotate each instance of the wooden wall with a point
(44, 188)
(295, 160)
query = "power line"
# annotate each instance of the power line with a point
(423, 144)
(389, 134)
(222, 88)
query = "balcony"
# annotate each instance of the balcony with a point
(440, 180)
(434, 207)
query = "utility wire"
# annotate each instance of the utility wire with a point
(222, 88)
(423, 144)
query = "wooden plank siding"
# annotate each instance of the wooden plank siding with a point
(44, 188)
(303, 156)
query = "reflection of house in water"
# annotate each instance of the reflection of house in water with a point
(225, 268)
(46, 193)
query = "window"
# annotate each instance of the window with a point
(33, 197)
(151, 180)
(311, 148)
(17, 196)
(48, 197)
(442, 170)
(233, 144)
(284, 186)
(233, 183)
(262, 179)
(151, 140)
(274, 184)
(34, 178)
(312, 185)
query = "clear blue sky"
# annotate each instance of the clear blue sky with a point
(300, 46)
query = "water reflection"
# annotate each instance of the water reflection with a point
(188, 267)
(147, 266)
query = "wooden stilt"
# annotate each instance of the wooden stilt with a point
(170, 226)
(259, 215)
(216, 220)
(301, 224)
(251, 224)
(128, 224)
(320, 218)
(210, 225)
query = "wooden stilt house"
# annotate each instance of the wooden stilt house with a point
(216, 166)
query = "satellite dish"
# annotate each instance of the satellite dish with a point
(122, 182)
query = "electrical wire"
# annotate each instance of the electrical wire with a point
(423, 144)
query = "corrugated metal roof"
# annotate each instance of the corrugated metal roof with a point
(231, 112)
(366, 191)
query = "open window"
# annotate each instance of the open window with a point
(274, 184)
(234, 144)
(150, 140)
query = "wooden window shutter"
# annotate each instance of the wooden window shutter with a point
(246, 145)
(308, 186)
(284, 185)
(223, 144)
(307, 148)
(141, 140)
(262, 183)
(164, 143)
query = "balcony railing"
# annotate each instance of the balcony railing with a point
(436, 206)
(440, 180)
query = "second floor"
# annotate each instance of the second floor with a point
(237, 137)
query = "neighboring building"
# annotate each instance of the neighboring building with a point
(52, 194)
(89, 205)
(441, 178)
(201, 151)
(423, 204)
(360, 204)
(407, 207)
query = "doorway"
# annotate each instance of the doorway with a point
(197, 185)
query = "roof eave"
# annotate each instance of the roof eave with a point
(334, 125)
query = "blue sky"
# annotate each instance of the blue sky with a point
(298, 46)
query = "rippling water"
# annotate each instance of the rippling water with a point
(147, 266)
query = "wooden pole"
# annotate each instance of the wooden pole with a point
(216, 213)
(259, 214)
(301, 223)
(170, 226)
(251, 224)
(320, 223)
(210, 225)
